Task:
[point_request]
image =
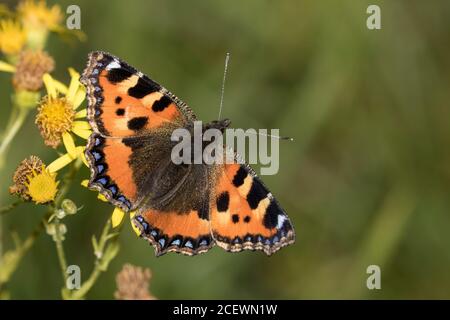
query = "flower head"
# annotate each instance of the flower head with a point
(38, 20)
(133, 283)
(57, 115)
(12, 37)
(36, 14)
(32, 181)
(30, 69)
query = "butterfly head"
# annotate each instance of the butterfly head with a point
(218, 124)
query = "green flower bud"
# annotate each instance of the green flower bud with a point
(50, 229)
(60, 213)
(26, 99)
(69, 206)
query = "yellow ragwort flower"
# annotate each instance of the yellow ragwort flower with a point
(33, 181)
(38, 20)
(36, 14)
(12, 37)
(57, 116)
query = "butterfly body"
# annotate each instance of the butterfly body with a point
(185, 208)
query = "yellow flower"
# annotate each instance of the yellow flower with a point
(33, 181)
(12, 37)
(57, 116)
(38, 19)
(42, 187)
(36, 14)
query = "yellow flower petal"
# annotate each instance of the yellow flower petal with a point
(85, 183)
(60, 87)
(102, 197)
(60, 163)
(117, 217)
(79, 97)
(83, 158)
(82, 125)
(7, 67)
(82, 133)
(74, 84)
(80, 152)
(81, 114)
(69, 143)
(135, 229)
(49, 85)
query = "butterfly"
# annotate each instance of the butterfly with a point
(183, 208)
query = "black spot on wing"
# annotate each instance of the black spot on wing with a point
(270, 219)
(247, 219)
(235, 218)
(117, 75)
(223, 201)
(142, 88)
(257, 193)
(118, 100)
(161, 104)
(120, 111)
(203, 210)
(239, 177)
(137, 123)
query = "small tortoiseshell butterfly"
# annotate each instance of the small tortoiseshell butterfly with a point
(181, 208)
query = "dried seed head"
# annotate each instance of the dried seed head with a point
(133, 283)
(31, 67)
(24, 170)
(33, 182)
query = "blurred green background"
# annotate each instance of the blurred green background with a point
(366, 181)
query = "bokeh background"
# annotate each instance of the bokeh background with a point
(366, 181)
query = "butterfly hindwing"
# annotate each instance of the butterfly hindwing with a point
(245, 215)
(175, 213)
(186, 233)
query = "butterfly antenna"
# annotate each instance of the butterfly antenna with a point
(276, 137)
(227, 59)
(273, 136)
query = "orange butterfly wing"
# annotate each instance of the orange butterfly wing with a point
(185, 233)
(245, 215)
(123, 103)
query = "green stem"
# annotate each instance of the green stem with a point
(60, 250)
(104, 255)
(12, 258)
(87, 285)
(16, 120)
(11, 133)
(67, 181)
